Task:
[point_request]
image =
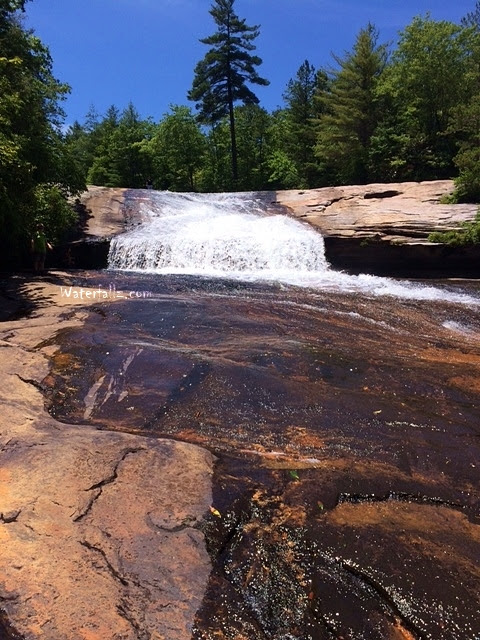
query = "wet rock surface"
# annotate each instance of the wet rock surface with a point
(101, 532)
(346, 428)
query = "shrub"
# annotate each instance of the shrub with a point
(469, 233)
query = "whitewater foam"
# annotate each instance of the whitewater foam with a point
(237, 236)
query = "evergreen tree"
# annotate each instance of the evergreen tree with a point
(177, 150)
(221, 77)
(465, 119)
(282, 169)
(78, 144)
(350, 110)
(217, 174)
(472, 19)
(302, 111)
(119, 157)
(253, 142)
(129, 162)
(102, 171)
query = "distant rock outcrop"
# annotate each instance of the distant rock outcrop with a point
(383, 229)
(398, 213)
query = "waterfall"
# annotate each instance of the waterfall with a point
(240, 236)
(226, 235)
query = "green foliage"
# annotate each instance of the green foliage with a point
(216, 174)
(118, 158)
(8, 7)
(302, 112)
(53, 210)
(33, 157)
(253, 144)
(283, 172)
(467, 184)
(98, 151)
(178, 148)
(448, 198)
(221, 78)
(350, 110)
(420, 89)
(468, 234)
(465, 119)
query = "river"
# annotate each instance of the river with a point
(343, 411)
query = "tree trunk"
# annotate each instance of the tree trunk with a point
(231, 114)
(233, 139)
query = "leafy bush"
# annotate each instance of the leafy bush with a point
(467, 185)
(53, 210)
(469, 233)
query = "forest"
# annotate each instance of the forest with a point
(382, 112)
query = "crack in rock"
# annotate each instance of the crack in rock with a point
(188, 522)
(114, 475)
(383, 594)
(123, 581)
(9, 443)
(38, 533)
(98, 486)
(10, 516)
(123, 612)
(32, 382)
(93, 498)
(397, 496)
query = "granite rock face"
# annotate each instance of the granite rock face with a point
(99, 531)
(383, 229)
(397, 213)
(107, 211)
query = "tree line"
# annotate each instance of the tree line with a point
(380, 113)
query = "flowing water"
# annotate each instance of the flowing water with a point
(240, 236)
(344, 412)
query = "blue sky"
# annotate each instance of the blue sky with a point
(144, 51)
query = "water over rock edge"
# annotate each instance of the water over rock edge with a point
(379, 229)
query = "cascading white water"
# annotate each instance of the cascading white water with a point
(235, 236)
(217, 235)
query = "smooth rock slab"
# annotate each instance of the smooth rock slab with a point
(98, 530)
(85, 549)
(402, 212)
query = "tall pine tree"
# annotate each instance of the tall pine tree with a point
(351, 110)
(222, 76)
(301, 114)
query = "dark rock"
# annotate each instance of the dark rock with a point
(411, 260)
(382, 194)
